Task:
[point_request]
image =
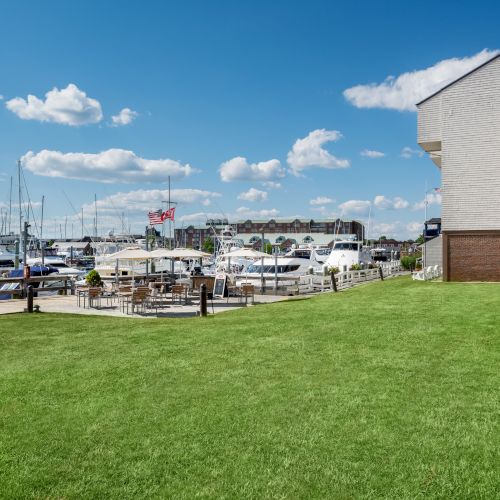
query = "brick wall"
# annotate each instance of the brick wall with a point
(471, 256)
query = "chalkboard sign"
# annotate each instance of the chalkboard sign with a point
(220, 285)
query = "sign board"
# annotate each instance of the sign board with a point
(220, 285)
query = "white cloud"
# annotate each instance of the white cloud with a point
(238, 169)
(403, 92)
(432, 199)
(415, 228)
(253, 195)
(385, 229)
(321, 200)
(264, 213)
(113, 165)
(308, 152)
(69, 106)
(272, 184)
(124, 117)
(383, 203)
(408, 153)
(355, 207)
(142, 200)
(1, 97)
(371, 153)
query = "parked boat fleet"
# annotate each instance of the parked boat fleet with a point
(228, 258)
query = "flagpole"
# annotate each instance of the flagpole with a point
(169, 220)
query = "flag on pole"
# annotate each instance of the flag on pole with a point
(155, 217)
(437, 190)
(169, 214)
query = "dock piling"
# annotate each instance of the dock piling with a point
(203, 300)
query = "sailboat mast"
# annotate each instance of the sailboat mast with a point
(20, 200)
(42, 246)
(10, 204)
(95, 205)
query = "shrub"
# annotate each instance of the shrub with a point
(355, 267)
(333, 270)
(93, 278)
(408, 262)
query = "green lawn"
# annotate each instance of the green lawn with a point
(389, 390)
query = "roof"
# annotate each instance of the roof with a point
(458, 79)
(69, 244)
(434, 220)
(300, 238)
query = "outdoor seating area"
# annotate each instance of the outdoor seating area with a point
(154, 297)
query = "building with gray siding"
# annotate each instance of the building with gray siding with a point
(459, 127)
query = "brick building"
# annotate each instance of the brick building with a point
(459, 126)
(276, 231)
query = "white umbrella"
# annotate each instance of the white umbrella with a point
(247, 253)
(161, 253)
(187, 253)
(131, 254)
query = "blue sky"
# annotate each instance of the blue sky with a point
(218, 94)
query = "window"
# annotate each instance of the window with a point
(254, 239)
(308, 239)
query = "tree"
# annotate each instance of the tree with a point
(268, 248)
(208, 245)
(420, 240)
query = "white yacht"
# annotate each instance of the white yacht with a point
(346, 253)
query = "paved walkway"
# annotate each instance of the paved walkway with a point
(68, 304)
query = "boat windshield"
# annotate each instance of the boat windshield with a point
(346, 246)
(253, 268)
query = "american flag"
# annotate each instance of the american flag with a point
(155, 217)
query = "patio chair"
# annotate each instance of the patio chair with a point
(138, 300)
(94, 297)
(248, 291)
(233, 291)
(179, 292)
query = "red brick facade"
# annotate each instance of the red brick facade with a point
(471, 256)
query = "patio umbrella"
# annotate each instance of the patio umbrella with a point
(131, 253)
(187, 253)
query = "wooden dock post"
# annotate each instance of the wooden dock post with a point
(203, 300)
(30, 298)
(381, 273)
(334, 282)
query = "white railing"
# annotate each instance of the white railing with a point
(346, 279)
(428, 273)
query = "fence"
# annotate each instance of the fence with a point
(310, 283)
(17, 286)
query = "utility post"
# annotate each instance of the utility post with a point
(25, 241)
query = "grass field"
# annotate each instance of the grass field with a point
(389, 390)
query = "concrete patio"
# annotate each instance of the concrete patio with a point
(68, 304)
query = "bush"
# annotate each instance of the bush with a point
(409, 262)
(93, 278)
(355, 267)
(333, 270)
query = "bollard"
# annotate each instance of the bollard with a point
(334, 282)
(30, 298)
(203, 300)
(72, 282)
(381, 273)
